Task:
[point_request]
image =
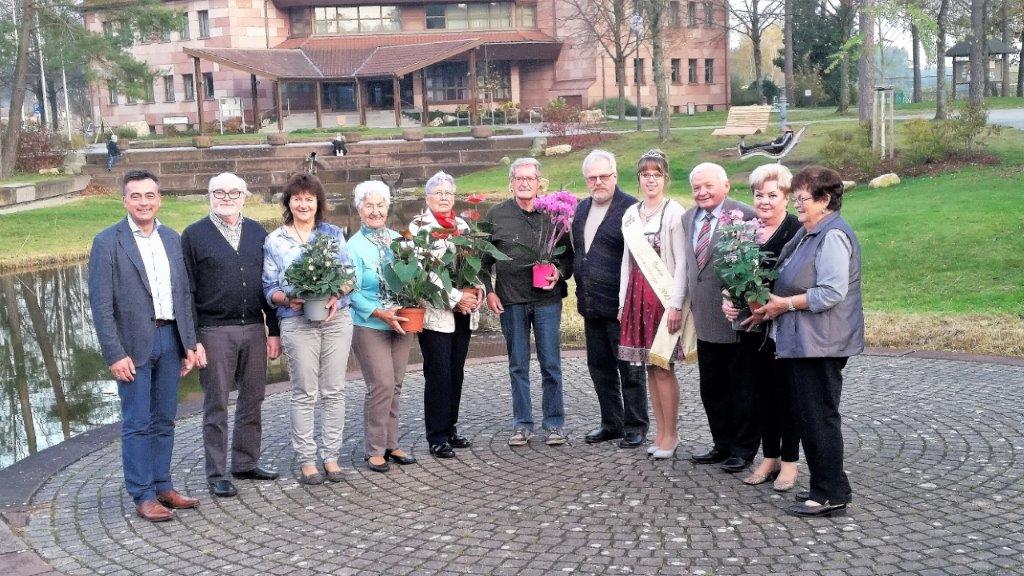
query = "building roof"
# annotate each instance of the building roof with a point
(963, 49)
(292, 64)
(401, 60)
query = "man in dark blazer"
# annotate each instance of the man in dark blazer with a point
(727, 402)
(597, 265)
(237, 331)
(138, 292)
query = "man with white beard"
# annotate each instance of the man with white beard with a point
(224, 257)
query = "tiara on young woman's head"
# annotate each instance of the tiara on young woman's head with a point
(654, 153)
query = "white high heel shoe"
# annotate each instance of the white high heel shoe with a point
(660, 454)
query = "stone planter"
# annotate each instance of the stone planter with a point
(412, 134)
(352, 137)
(481, 131)
(202, 141)
(277, 138)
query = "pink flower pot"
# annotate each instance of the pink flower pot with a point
(541, 272)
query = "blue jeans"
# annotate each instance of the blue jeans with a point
(545, 320)
(112, 160)
(148, 407)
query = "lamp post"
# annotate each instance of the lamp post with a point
(636, 22)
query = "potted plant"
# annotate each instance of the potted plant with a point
(316, 275)
(559, 209)
(470, 246)
(418, 276)
(741, 266)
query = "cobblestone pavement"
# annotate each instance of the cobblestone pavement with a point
(934, 450)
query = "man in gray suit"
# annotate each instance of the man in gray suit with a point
(727, 404)
(139, 295)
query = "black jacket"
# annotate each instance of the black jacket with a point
(597, 271)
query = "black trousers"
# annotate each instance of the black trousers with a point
(444, 362)
(773, 398)
(621, 389)
(817, 385)
(728, 400)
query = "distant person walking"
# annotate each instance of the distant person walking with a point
(113, 152)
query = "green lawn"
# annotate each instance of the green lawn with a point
(64, 233)
(30, 178)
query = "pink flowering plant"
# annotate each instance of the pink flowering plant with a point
(559, 208)
(739, 262)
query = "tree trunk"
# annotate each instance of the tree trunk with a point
(755, 44)
(1020, 67)
(915, 38)
(656, 8)
(620, 83)
(788, 54)
(20, 363)
(51, 96)
(10, 144)
(844, 84)
(1004, 84)
(977, 86)
(940, 61)
(866, 75)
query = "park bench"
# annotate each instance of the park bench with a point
(745, 121)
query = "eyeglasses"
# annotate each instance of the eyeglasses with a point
(797, 200)
(230, 194)
(524, 179)
(600, 178)
(443, 194)
(650, 176)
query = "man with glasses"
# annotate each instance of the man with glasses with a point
(224, 256)
(598, 247)
(521, 306)
(138, 293)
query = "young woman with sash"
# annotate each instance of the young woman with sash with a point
(657, 327)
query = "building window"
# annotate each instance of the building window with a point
(677, 72)
(691, 71)
(709, 15)
(528, 16)
(108, 29)
(208, 85)
(184, 32)
(494, 80)
(165, 34)
(493, 15)
(638, 71)
(169, 88)
(709, 71)
(151, 91)
(204, 23)
(112, 92)
(129, 98)
(673, 14)
(190, 87)
(354, 19)
(448, 81)
(691, 14)
(299, 21)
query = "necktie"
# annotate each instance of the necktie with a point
(703, 248)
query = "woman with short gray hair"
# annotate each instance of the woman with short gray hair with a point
(380, 343)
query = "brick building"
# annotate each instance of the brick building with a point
(345, 57)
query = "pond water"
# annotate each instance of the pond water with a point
(54, 382)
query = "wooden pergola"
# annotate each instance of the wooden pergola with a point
(293, 65)
(961, 54)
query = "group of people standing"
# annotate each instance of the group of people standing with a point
(217, 299)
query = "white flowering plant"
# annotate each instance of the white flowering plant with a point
(739, 262)
(317, 273)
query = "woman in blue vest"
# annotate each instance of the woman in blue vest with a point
(818, 324)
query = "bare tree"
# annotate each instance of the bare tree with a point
(654, 12)
(979, 54)
(751, 18)
(14, 118)
(787, 56)
(1004, 15)
(866, 74)
(940, 60)
(607, 22)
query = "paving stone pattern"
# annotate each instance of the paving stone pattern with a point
(934, 450)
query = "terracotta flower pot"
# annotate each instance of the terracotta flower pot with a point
(541, 272)
(414, 316)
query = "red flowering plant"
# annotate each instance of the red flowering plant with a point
(470, 246)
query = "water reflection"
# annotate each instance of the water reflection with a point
(54, 381)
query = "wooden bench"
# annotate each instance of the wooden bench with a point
(745, 121)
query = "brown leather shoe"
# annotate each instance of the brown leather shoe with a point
(173, 499)
(153, 511)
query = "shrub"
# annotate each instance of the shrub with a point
(849, 151)
(39, 149)
(969, 127)
(559, 118)
(610, 106)
(126, 132)
(927, 142)
(808, 80)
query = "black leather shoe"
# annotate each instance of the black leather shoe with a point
(734, 464)
(456, 441)
(802, 495)
(632, 440)
(377, 467)
(403, 459)
(826, 509)
(257, 473)
(222, 488)
(601, 435)
(442, 450)
(713, 456)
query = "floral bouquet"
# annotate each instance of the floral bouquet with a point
(559, 208)
(740, 264)
(316, 275)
